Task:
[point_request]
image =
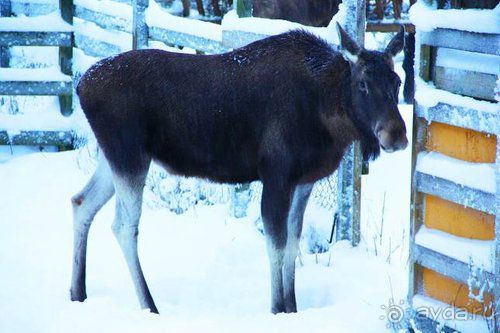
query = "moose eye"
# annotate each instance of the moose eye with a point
(363, 87)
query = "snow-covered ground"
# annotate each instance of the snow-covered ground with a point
(206, 271)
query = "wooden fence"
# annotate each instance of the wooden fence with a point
(455, 235)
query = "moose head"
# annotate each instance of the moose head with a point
(374, 95)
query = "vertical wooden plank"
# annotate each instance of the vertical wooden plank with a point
(215, 5)
(379, 8)
(417, 199)
(66, 56)
(496, 287)
(349, 173)
(186, 8)
(140, 32)
(5, 10)
(396, 6)
(417, 212)
(199, 6)
(244, 8)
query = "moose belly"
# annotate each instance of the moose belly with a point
(231, 168)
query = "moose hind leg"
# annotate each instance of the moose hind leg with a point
(86, 204)
(275, 205)
(295, 218)
(129, 191)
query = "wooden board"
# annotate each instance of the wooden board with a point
(451, 292)
(458, 220)
(462, 40)
(35, 88)
(38, 138)
(383, 26)
(477, 120)
(35, 38)
(461, 143)
(464, 82)
(459, 193)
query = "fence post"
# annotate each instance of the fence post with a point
(66, 56)
(349, 172)
(5, 10)
(140, 31)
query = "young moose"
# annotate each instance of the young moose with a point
(281, 110)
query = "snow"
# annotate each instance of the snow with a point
(480, 176)
(441, 313)
(49, 74)
(156, 16)
(268, 27)
(122, 39)
(51, 2)
(50, 120)
(206, 271)
(427, 18)
(470, 61)
(479, 253)
(107, 7)
(49, 22)
(427, 95)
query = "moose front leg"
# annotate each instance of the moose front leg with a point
(301, 196)
(275, 205)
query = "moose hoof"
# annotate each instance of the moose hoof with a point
(275, 309)
(78, 295)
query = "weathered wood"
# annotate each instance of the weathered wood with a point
(96, 48)
(461, 143)
(482, 121)
(5, 10)
(103, 20)
(496, 288)
(35, 38)
(396, 7)
(349, 172)
(199, 7)
(447, 266)
(417, 211)
(215, 5)
(425, 62)
(379, 8)
(139, 26)
(170, 37)
(66, 57)
(464, 82)
(37, 138)
(451, 191)
(38, 88)
(462, 40)
(33, 8)
(457, 220)
(383, 26)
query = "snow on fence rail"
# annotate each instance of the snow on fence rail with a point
(455, 232)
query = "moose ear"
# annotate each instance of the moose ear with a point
(396, 44)
(348, 47)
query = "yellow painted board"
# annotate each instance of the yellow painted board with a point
(458, 220)
(461, 143)
(449, 291)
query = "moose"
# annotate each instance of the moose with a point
(282, 110)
